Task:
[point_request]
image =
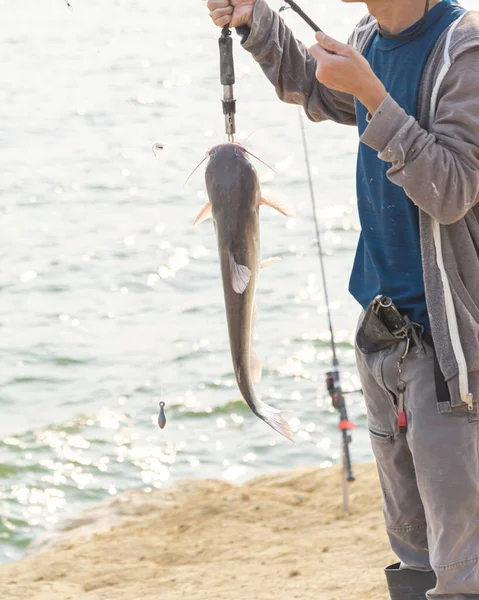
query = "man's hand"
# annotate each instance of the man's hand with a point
(342, 68)
(231, 12)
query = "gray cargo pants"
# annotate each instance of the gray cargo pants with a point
(429, 475)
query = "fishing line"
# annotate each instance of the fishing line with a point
(333, 381)
(318, 236)
(161, 416)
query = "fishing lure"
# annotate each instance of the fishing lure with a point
(162, 416)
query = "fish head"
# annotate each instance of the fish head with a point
(229, 172)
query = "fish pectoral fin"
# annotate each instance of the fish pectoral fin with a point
(255, 366)
(268, 261)
(280, 207)
(205, 213)
(240, 275)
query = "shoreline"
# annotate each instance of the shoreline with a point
(277, 536)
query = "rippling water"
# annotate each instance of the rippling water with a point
(110, 301)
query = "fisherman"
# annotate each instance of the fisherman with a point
(409, 80)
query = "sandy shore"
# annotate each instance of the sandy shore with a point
(278, 536)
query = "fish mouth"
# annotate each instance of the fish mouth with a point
(212, 152)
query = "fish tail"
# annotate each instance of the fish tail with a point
(273, 418)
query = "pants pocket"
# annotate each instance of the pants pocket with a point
(463, 412)
(381, 436)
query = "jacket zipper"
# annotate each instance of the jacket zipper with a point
(451, 316)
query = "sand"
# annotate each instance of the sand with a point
(278, 536)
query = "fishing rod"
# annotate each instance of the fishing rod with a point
(297, 9)
(333, 381)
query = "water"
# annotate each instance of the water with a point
(111, 301)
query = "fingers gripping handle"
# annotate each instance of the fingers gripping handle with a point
(227, 73)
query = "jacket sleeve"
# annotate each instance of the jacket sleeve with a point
(439, 170)
(292, 70)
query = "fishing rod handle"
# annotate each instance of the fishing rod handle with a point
(347, 456)
(227, 75)
(346, 442)
(334, 388)
(227, 67)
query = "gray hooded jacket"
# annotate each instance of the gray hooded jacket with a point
(435, 159)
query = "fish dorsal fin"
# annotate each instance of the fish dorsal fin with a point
(282, 208)
(205, 213)
(240, 275)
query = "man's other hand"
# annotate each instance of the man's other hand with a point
(342, 68)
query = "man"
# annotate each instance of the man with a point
(409, 79)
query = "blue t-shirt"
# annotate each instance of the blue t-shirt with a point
(388, 257)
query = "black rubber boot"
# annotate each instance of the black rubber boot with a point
(406, 584)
